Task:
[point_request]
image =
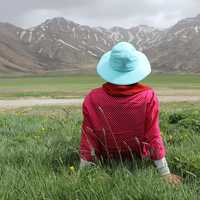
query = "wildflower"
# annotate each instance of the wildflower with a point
(171, 139)
(72, 169)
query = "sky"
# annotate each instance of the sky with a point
(105, 13)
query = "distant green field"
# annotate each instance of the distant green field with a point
(78, 85)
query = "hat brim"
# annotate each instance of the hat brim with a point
(141, 71)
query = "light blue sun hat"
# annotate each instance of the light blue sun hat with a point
(123, 65)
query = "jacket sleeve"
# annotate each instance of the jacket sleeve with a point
(152, 129)
(89, 145)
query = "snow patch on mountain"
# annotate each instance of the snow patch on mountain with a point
(131, 36)
(69, 45)
(102, 50)
(196, 28)
(93, 54)
(30, 36)
(22, 35)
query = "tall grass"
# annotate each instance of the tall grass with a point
(37, 150)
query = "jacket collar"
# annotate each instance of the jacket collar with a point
(124, 90)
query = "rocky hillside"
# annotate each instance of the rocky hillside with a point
(62, 45)
(179, 49)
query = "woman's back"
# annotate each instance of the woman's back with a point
(119, 122)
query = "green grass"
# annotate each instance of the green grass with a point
(38, 145)
(78, 85)
(56, 87)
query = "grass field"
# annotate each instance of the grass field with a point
(77, 86)
(39, 158)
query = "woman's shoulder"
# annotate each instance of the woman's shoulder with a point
(151, 95)
(94, 93)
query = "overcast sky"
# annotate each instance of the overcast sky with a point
(106, 13)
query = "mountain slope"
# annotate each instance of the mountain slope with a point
(179, 49)
(62, 45)
(14, 56)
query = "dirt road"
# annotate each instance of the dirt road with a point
(8, 104)
(37, 102)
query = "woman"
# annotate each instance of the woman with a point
(121, 118)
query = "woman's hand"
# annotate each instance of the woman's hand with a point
(172, 179)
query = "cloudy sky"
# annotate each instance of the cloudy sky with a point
(106, 13)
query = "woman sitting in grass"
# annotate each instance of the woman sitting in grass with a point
(121, 118)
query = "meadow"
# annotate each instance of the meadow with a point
(39, 146)
(39, 158)
(76, 86)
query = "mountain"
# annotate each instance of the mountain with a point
(179, 49)
(62, 45)
(15, 57)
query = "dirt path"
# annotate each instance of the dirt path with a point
(37, 102)
(7, 104)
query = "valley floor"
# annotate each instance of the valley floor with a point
(77, 86)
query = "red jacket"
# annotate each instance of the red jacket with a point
(120, 120)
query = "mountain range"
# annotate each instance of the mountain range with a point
(60, 45)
